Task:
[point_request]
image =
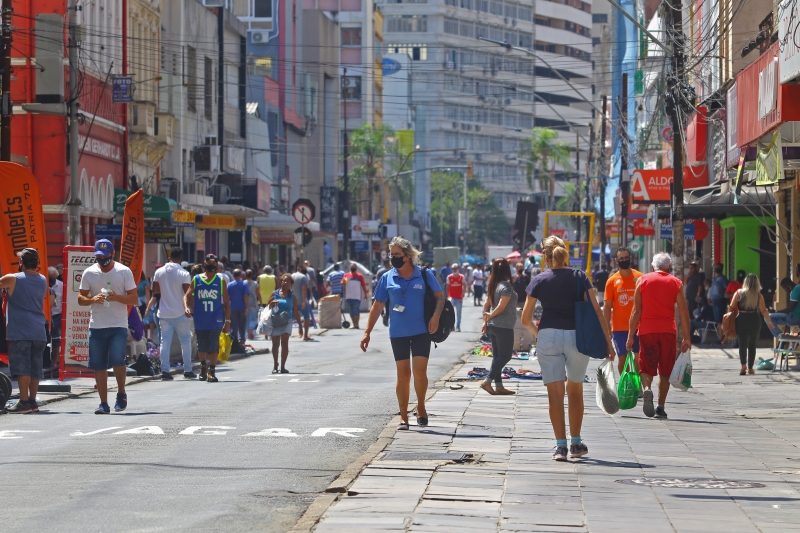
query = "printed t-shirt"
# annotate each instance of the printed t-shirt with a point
(236, 291)
(659, 292)
(266, 286)
(620, 290)
(409, 293)
(556, 289)
(171, 278)
(121, 279)
(455, 286)
(209, 302)
(354, 286)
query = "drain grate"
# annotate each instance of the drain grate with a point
(692, 483)
(424, 456)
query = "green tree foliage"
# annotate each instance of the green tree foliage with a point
(545, 151)
(486, 221)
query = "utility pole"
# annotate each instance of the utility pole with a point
(591, 168)
(624, 177)
(602, 165)
(346, 207)
(221, 84)
(578, 189)
(5, 84)
(674, 86)
(464, 218)
(74, 201)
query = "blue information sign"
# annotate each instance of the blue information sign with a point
(361, 246)
(666, 231)
(108, 231)
(122, 90)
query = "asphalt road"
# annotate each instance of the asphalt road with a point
(248, 453)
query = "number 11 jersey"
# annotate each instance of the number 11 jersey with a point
(208, 302)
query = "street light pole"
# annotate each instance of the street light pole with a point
(346, 207)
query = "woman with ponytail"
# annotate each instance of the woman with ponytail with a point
(559, 359)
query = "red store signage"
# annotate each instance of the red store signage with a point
(652, 186)
(763, 103)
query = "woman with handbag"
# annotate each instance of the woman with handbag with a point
(556, 349)
(283, 306)
(748, 303)
(499, 318)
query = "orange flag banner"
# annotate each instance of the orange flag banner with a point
(131, 253)
(21, 220)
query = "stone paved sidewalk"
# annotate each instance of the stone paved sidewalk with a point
(743, 429)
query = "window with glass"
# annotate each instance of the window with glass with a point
(351, 36)
(600, 18)
(451, 26)
(351, 88)
(408, 23)
(496, 8)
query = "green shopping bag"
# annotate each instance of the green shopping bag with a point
(630, 384)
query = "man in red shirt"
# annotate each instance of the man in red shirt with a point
(355, 290)
(654, 316)
(455, 292)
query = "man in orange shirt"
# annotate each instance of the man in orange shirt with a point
(654, 317)
(618, 305)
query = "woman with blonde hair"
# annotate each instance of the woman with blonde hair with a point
(557, 288)
(409, 333)
(749, 302)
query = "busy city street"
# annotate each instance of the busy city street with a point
(249, 453)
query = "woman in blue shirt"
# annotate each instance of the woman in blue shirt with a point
(284, 300)
(404, 287)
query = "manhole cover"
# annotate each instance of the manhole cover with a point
(676, 483)
(423, 456)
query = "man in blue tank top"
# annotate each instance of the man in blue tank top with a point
(26, 328)
(208, 303)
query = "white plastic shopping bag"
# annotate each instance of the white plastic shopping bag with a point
(681, 377)
(606, 394)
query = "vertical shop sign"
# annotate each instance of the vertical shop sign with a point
(74, 318)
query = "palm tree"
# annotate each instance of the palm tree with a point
(544, 152)
(369, 146)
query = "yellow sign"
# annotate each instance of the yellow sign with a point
(200, 239)
(221, 222)
(183, 218)
(255, 238)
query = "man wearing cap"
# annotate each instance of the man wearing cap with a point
(26, 328)
(170, 283)
(108, 287)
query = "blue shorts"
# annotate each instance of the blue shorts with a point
(620, 338)
(305, 312)
(208, 340)
(353, 307)
(107, 347)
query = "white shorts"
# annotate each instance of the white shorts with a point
(559, 357)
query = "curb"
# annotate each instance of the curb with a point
(309, 520)
(141, 379)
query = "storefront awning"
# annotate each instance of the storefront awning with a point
(234, 209)
(154, 206)
(717, 201)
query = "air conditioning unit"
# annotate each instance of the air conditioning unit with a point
(350, 81)
(259, 37)
(206, 158)
(171, 188)
(213, 3)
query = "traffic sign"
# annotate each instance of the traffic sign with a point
(635, 246)
(303, 210)
(302, 236)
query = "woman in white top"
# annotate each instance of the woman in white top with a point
(478, 278)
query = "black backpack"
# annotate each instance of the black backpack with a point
(447, 320)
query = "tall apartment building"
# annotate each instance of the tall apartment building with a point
(474, 100)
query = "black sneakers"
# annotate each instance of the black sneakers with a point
(166, 376)
(647, 407)
(203, 372)
(578, 450)
(560, 454)
(189, 375)
(20, 407)
(660, 413)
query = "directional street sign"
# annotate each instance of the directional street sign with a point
(303, 211)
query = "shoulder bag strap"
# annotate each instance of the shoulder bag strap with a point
(580, 288)
(425, 278)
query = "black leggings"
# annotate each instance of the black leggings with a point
(748, 328)
(502, 350)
